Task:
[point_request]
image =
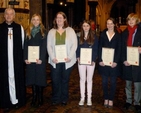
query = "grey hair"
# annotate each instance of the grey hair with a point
(9, 9)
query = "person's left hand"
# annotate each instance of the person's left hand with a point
(114, 65)
(67, 60)
(139, 49)
(92, 63)
(38, 61)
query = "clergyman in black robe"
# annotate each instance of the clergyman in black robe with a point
(12, 81)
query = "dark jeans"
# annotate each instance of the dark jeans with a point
(60, 83)
(109, 86)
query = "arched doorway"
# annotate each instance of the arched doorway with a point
(121, 9)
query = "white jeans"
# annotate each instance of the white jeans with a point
(86, 73)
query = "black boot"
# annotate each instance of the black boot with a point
(34, 95)
(40, 96)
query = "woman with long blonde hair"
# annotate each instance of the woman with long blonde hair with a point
(36, 71)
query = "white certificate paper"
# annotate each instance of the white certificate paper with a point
(33, 53)
(61, 53)
(108, 56)
(133, 56)
(86, 56)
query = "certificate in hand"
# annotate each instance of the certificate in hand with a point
(108, 56)
(61, 53)
(133, 56)
(33, 53)
(86, 56)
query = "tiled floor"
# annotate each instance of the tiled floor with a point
(74, 96)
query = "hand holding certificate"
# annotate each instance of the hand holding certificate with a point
(86, 56)
(61, 53)
(133, 56)
(108, 56)
(33, 53)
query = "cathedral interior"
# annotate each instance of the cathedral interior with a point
(76, 11)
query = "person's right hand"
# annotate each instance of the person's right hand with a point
(55, 61)
(101, 64)
(78, 60)
(27, 62)
(126, 63)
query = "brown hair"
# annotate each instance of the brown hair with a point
(133, 15)
(30, 27)
(65, 22)
(90, 37)
(114, 22)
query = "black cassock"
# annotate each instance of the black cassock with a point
(18, 65)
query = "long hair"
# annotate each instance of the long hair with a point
(90, 36)
(65, 22)
(30, 27)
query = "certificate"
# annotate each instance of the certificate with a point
(108, 56)
(133, 56)
(33, 53)
(86, 56)
(61, 54)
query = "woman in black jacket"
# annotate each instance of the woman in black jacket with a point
(36, 36)
(131, 37)
(109, 39)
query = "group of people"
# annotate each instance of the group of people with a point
(14, 49)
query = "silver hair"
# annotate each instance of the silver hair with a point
(9, 9)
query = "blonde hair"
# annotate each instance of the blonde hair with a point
(133, 15)
(30, 27)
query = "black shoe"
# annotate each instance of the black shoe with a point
(33, 104)
(6, 110)
(126, 106)
(55, 103)
(40, 103)
(64, 103)
(138, 108)
(16, 106)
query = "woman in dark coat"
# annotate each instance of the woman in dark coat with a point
(131, 36)
(36, 71)
(110, 39)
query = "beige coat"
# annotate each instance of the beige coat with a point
(71, 46)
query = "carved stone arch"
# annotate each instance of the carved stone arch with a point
(104, 8)
(121, 8)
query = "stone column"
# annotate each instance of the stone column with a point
(50, 15)
(92, 12)
(131, 6)
(70, 14)
(35, 7)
